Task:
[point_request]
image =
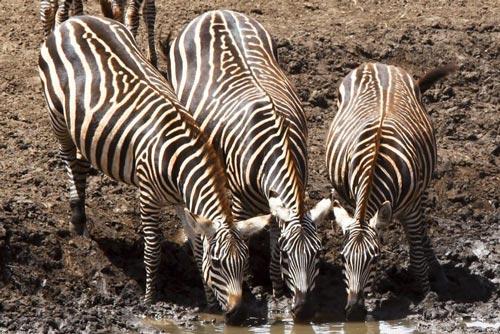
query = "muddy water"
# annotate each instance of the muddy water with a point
(284, 327)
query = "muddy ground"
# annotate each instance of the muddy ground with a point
(51, 281)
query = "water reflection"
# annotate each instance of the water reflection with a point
(288, 327)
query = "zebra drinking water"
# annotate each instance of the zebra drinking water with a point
(380, 155)
(223, 67)
(110, 108)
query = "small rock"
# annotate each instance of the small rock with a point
(479, 249)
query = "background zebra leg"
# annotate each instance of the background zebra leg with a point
(415, 233)
(132, 16)
(197, 246)
(48, 9)
(149, 16)
(439, 280)
(150, 216)
(275, 265)
(63, 11)
(117, 10)
(77, 7)
(77, 169)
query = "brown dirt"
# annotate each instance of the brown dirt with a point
(50, 280)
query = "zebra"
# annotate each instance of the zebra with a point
(54, 12)
(380, 156)
(111, 109)
(224, 69)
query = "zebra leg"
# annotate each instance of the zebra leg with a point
(275, 265)
(196, 243)
(48, 9)
(63, 11)
(197, 246)
(415, 234)
(132, 16)
(150, 216)
(78, 7)
(436, 273)
(117, 10)
(77, 169)
(149, 15)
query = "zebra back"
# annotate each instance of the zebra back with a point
(124, 118)
(244, 101)
(381, 144)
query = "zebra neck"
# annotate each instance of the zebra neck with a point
(287, 186)
(200, 177)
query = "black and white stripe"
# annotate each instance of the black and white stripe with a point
(224, 70)
(110, 108)
(381, 152)
(54, 12)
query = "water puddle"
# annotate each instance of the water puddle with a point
(285, 326)
(483, 325)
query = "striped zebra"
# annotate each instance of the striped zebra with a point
(380, 154)
(54, 12)
(223, 67)
(110, 108)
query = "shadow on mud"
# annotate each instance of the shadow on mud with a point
(178, 278)
(393, 295)
(463, 287)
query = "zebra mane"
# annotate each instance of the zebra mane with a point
(300, 193)
(218, 172)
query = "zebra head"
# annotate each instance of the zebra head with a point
(225, 258)
(360, 250)
(299, 247)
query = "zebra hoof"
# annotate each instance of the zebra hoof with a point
(79, 227)
(79, 219)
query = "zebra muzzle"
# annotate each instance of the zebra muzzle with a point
(355, 308)
(236, 312)
(302, 308)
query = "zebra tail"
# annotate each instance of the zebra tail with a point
(106, 9)
(165, 44)
(434, 75)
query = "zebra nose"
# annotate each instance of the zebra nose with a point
(299, 300)
(355, 308)
(236, 312)
(300, 311)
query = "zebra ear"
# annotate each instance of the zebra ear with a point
(319, 212)
(342, 217)
(278, 210)
(253, 225)
(186, 222)
(383, 216)
(199, 224)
